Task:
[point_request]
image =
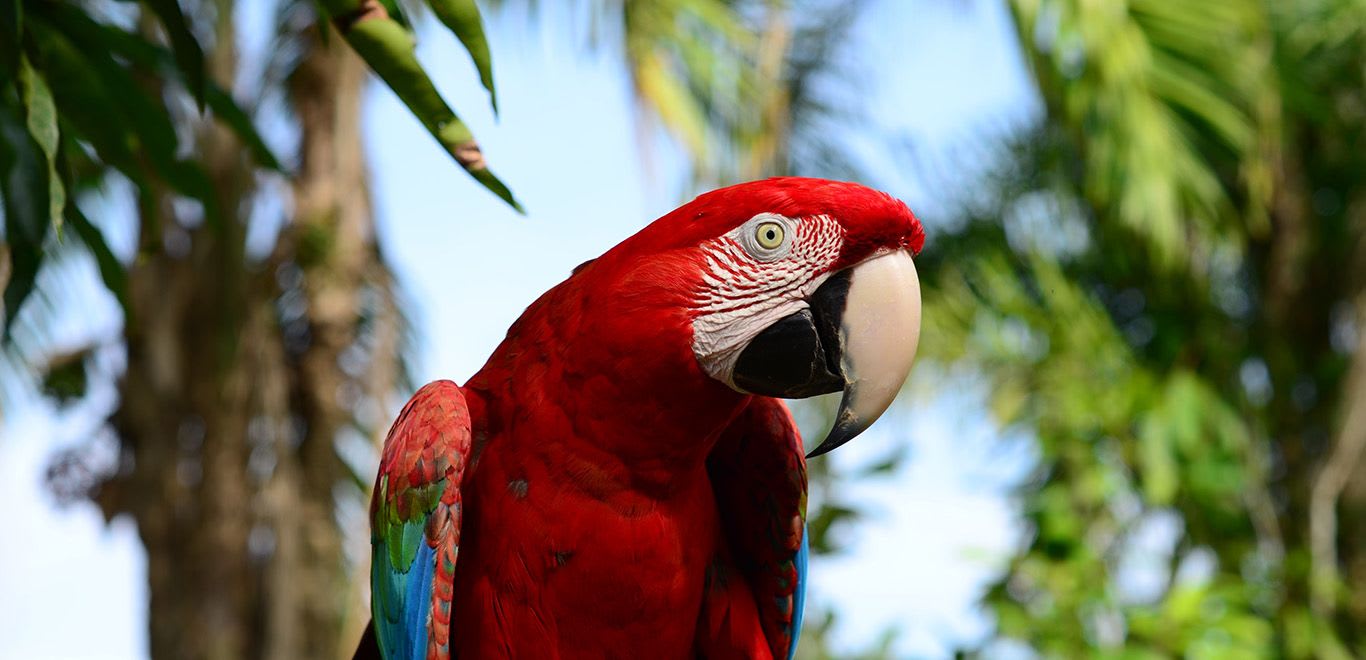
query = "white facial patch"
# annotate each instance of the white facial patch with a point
(752, 281)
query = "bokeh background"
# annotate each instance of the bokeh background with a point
(1137, 428)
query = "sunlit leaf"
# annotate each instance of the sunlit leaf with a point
(675, 105)
(462, 18)
(1160, 473)
(41, 119)
(1145, 89)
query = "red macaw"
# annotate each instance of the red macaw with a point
(618, 480)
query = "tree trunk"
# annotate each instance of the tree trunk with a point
(332, 243)
(235, 394)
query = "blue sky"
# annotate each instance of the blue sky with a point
(942, 74)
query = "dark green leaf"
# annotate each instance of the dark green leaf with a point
(188, 55)
(145, 54)
(24, 191)
(140, 53)
(111, 109)
(396, 12)
(11, 33)
(24, 265)
(65, 377)
(462, 18)
(497, 187)
(84, 104)
(111, 269)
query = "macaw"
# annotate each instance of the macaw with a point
(621, 478)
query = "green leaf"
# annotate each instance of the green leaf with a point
(389, 51)
(112, 271)
(396, 12)
(462, 18)
(143, 53)
(85, 107)
(24, 181)
(677, 108)
(111, 110)
(1146, 90)
(1161, 476)
(40, 115)
(885, 466)
(24, 192)
(497, 187)
(188, 55)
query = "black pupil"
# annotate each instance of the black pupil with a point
(770, 235)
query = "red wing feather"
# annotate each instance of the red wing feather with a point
(758, 472)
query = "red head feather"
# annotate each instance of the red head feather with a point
(872, 219)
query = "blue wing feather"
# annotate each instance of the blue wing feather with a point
(402, 599)
(799, 598)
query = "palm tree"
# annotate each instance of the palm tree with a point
(1165, 286)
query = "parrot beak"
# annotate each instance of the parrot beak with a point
(859, 335)
(878, 336)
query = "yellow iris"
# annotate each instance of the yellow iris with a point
(769, 235)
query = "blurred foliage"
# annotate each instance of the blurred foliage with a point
(78, 94)
(815, 641)
(725, 79)
(1164, 283)
(84, 89)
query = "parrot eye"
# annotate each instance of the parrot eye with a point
(766, 236)
(769, 235)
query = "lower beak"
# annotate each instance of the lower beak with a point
(859, 335)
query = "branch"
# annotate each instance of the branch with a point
(1348, 447)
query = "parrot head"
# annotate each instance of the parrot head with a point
(788, 287)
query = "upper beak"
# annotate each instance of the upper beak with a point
(859, 335)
